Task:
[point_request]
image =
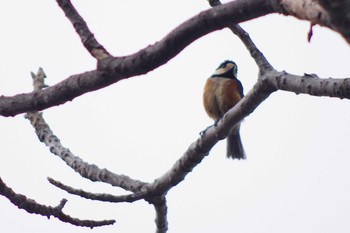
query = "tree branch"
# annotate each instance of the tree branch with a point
(86, 170)
(202, 146)
(31, 206)
(92, 172)
(255, 53)
(340, 18)
(328, 13)
(311, 84)
(268, 83)
(161, 214)
(87, 37)
(97, 196)
(309, 10)
(113, 69)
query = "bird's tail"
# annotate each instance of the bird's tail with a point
(234, 146)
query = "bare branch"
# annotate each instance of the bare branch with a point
(92, 172)
(194, 28)
(97, 196)
(33, 207)
(86, 170)
(268, 83)
(258, 56)
(87, 38)
(111, 70)
(201, 147)
(307, 10)
(161, 214)
(331, 14)
(339, 12)
(89, 171)
(311, 84)
(152, 192)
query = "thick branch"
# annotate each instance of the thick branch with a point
(328, 13)
(208, 21)
(112, 70)
(32, 206)
(311, 84)
(339, 11)
(307, 10)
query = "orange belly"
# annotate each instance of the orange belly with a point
(220, 94)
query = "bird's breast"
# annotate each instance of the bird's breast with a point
(220, 94)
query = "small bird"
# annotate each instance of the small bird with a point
(222, 91)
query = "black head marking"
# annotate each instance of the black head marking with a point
(225, 63)
(227, 69)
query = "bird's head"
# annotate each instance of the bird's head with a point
(227, 69)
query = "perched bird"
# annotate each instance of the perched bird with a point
(222, 91)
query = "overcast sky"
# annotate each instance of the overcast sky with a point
(294, 180)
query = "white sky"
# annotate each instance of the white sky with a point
(296, 175)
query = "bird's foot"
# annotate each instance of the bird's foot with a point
(216, 122)
(201, 133)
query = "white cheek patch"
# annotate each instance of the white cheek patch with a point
(223, 70)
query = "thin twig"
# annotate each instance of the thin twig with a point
(31, 206)
(97, 196)
(258, 56)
